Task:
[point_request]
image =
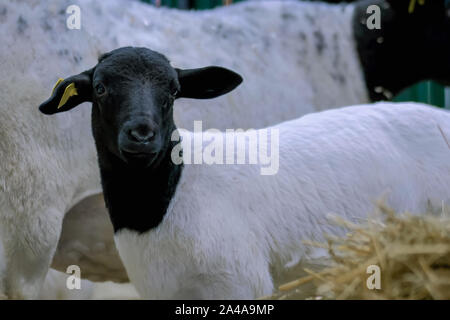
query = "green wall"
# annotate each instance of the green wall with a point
(191, 4)
(427, 92)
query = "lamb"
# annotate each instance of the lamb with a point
(217, 231)
(320, 70)
(382, 52)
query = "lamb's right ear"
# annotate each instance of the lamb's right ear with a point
(69, 93)
(206, 83)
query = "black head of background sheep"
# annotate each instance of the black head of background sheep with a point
(132, 91)
(411, 44)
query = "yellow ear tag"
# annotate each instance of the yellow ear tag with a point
(412, 5)
(56, 84)
(69, 92)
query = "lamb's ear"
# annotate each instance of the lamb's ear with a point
(69, 93)
(206, 83)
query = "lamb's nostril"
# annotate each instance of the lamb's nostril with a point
(141, 136)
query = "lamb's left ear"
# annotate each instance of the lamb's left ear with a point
(206, 83)
(69, 93)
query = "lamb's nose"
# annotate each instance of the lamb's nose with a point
(141, 134)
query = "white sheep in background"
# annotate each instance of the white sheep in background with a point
(54, 286)
(48, 166)
(198, 231)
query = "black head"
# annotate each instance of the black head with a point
(132, 91)
(411, 46)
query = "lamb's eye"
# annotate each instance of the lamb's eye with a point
(100, 89)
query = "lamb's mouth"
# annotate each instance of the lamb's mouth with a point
(137, 155)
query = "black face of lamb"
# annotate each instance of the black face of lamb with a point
(132, 121)
(133, 95)
(408, 48)
(132, 91)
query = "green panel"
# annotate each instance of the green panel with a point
(207, 4)
(169, 3)
(197, 4)
(426, 92)
(447, 98)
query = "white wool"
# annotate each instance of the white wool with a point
(215, 243)
(55, 288)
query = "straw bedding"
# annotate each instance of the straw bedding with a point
(412, 252)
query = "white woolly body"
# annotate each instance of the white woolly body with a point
(227, 225)
(295, 58)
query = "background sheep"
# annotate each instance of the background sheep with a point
(287, 77)
(185, 231)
